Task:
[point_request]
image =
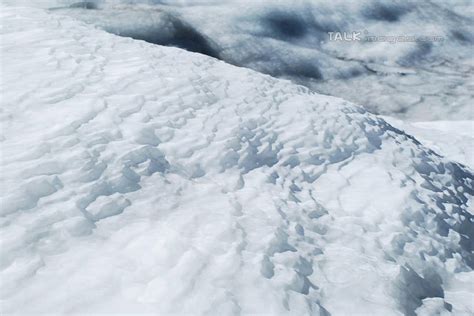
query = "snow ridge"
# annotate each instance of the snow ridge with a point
(161, 181)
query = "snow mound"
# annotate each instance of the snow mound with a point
(144, 179)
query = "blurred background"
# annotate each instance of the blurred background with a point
(407, 59)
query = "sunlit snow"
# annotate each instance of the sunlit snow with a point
(138, 178)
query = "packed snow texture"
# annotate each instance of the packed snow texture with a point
(137, 178)
(415, 80)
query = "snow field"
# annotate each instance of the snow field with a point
(145, 179)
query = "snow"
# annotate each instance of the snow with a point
(138, 178)
(452, 139)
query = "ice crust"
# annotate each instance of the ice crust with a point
(138, 178)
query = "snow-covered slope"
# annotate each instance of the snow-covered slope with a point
(144, 179)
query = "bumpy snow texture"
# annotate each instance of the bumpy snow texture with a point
(137, 178)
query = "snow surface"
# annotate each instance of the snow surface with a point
(417, 81)
(452, 139)
(145, 179)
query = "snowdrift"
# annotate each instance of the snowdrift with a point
(145, 179)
